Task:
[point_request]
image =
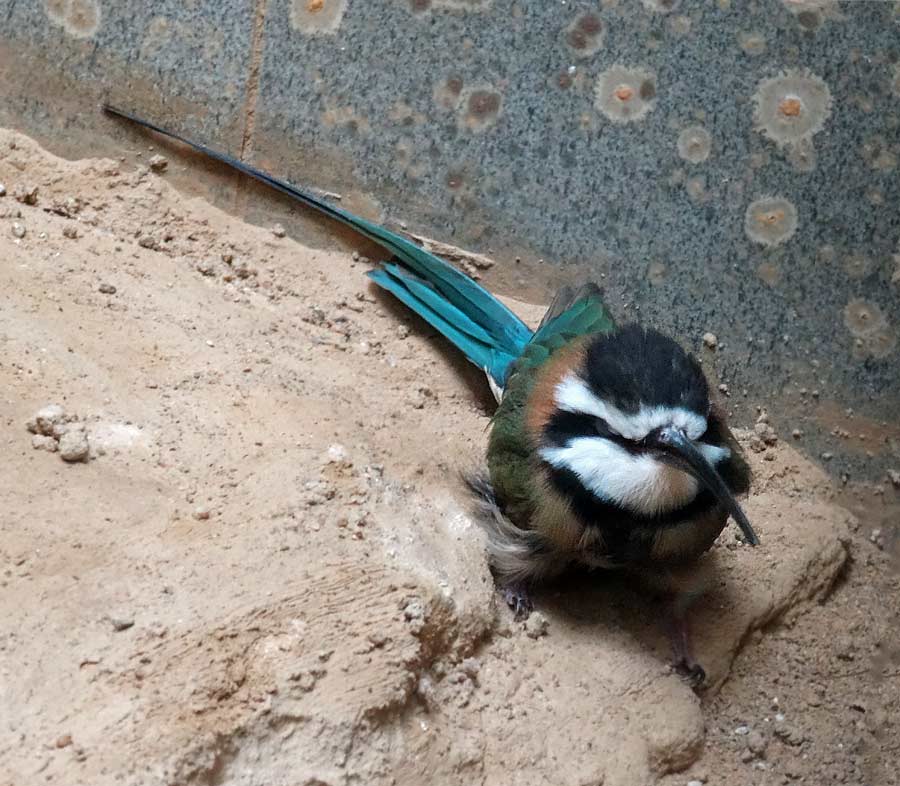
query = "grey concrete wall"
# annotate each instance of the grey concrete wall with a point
(720, 166)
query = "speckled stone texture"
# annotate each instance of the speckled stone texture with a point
(720, 166)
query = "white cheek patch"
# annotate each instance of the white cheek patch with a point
(573, 395)
(636, 482)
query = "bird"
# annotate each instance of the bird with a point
(606, 449)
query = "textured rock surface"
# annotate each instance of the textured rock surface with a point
(329, 617)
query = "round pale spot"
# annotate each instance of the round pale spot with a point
(769, 273)
(56, 10)
(660, 6)
(584, 35)
(316, 17)
(791, 107)
(752, 43)
(694, 144)
(479, 108)
(858, 265)
(82, 18)
(770, 221)
(863, 318)
(625, 95)
(802, 156)
(877, 345)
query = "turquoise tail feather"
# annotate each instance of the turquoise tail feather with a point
(456, 324)
(471, 318)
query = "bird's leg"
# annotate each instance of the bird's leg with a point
(680, 636)
(518, 598)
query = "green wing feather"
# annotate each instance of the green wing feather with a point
(510, 450)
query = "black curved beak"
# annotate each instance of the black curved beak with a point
(675, 443)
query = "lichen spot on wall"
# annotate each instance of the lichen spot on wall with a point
(661, 6)
(463, 5)
(79, 18)
(316, 17)
(873, 337)
(752, 44)
(863, 318)
(694, 144)
(770, 221)
(625, 95)
(448, 91)
(791, 107)
(56, 10)
(480, 108)
(810, 14)
(584, 35)
(858, 265)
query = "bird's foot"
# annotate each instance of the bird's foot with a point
(692, 672)
(683, 661)
(518, 599)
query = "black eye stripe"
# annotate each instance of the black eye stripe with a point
(565, 426)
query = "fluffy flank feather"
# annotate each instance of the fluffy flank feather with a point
(515, 554)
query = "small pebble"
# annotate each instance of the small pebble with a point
(26, 194)
(742, 730)
(796, 433)
(710, 340)
(2, 190)
(73, 445)
(64, 741)
(158, 163)
(536, 625)
(46, 419)
(723, 388)
(41, 442)
(18, 230)
(278, 230)
(70, 231)
(121, 623)
(756, 743)
(206, 268)
(894, 477)
(107, 289)
(201, 513)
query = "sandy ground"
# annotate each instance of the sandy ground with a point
(265, 572)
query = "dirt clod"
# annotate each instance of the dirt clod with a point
(536, 625)
(74, 446)
(121, 623)
(158, 163)
(26, 193)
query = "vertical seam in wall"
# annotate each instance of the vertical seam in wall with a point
(257, 34)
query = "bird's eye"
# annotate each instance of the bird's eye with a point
(602, 428)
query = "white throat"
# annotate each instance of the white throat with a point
(635, 481)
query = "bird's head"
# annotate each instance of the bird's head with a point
(626, 416)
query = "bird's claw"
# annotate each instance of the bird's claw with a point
(692, 672)
(518, 599)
